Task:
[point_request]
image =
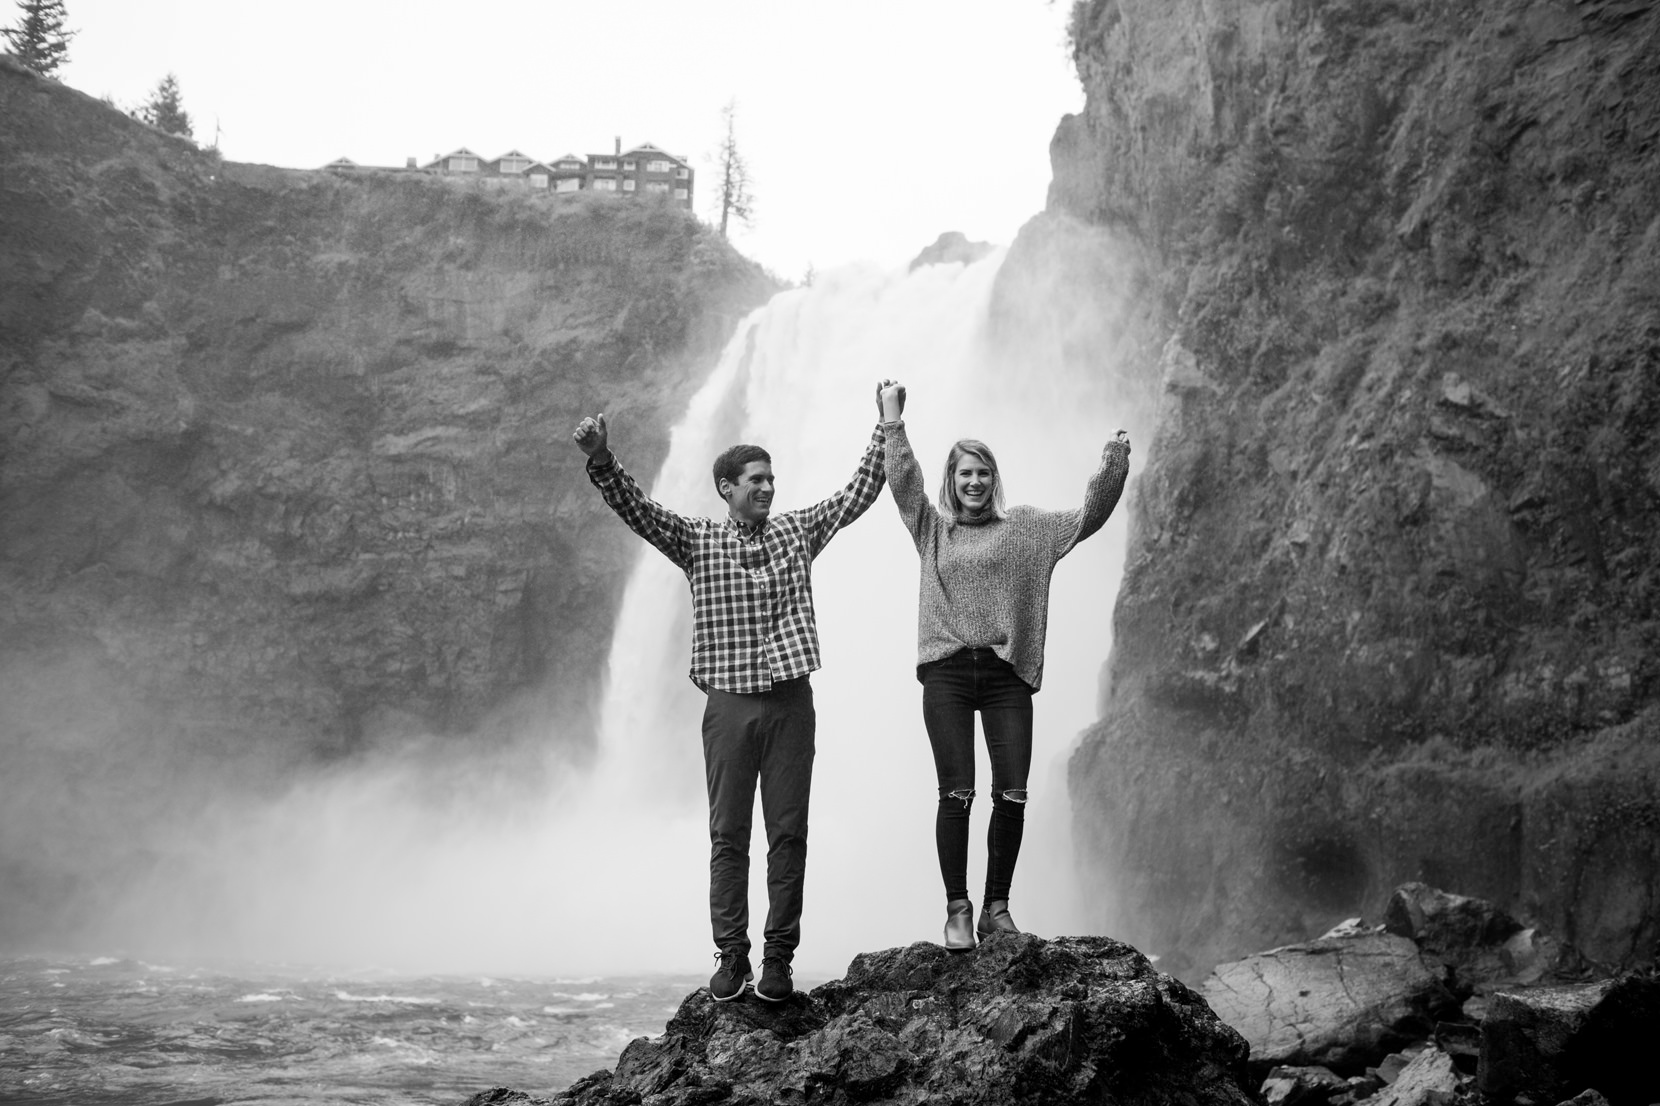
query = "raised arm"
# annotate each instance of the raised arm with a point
(904, 474)
(1100, 497)
(823, 519)
(668, 532)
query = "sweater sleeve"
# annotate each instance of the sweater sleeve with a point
(905, 481)
(1100, 497)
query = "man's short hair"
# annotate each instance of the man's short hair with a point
(730, 465)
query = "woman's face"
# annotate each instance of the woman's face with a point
(974, 481)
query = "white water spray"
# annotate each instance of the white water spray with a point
(610, 874)
(799, 379)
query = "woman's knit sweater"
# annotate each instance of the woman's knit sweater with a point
(987, 583)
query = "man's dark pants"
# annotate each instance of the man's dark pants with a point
(766, 737)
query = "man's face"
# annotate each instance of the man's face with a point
(749, 499)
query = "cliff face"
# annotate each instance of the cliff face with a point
(285, 469)
(1390, 610)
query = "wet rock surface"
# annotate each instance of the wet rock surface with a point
(1368, 1014)
(1021, 1020)
(1340, 1002)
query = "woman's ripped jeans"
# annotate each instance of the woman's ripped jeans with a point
(952, 690)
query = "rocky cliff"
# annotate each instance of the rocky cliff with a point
(1391, 597)
(285, 470)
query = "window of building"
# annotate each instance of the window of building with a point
(630, 165)
(682, 174)
(569, 165)
(538, 180)
(569, 184)
(463, 164)
(657, 186)
(657, 165)
(628, 184)
(605, 163)
(515, 164)
(680, 193)
(605, 184)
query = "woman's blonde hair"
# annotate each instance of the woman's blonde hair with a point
(950, 505)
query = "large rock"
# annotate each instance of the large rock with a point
(1525, 1041)
(1023, 1020)
(1428, 1079)
(1484, 947)
(1545, 1044)
(1338, 1002)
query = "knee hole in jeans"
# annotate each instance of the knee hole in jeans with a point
(964, 795)
(1015, 795)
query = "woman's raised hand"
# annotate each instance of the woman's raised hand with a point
(890, 400)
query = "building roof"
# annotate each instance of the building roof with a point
(461, 152)
(655, 151)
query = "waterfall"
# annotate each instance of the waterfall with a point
(394, 863)
(799, 379)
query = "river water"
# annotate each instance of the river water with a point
(102, 1030)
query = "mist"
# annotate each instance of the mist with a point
(427, 856)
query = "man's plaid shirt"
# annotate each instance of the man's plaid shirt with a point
(752, 589)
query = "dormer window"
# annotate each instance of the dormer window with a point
(463, 164)
(515, 164)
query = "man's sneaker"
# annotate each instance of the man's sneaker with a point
(732, 974)
(775, 985)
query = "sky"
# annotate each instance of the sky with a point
(870, 126)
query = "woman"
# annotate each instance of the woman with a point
(980, 625)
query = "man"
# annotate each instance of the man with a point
(754, 643)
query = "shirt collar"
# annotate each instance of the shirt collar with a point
(743, 529)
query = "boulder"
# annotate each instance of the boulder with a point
(1301, 1085)
(1484, 947)
(1428, 1079)
(1615, 1051)
(1526, 1038)
(1022, 1020)
(1339, 1002)
(952, 246)
(1585, 1098)
(1438, 920)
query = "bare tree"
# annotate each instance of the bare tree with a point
(733, 194)
(39, 40)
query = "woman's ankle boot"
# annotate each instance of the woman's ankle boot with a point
(994, 918)
(959, 928)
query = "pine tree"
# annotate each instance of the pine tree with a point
(165, 108)
(733, 193)
(39, 40)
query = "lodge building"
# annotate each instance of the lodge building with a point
(643, 169)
